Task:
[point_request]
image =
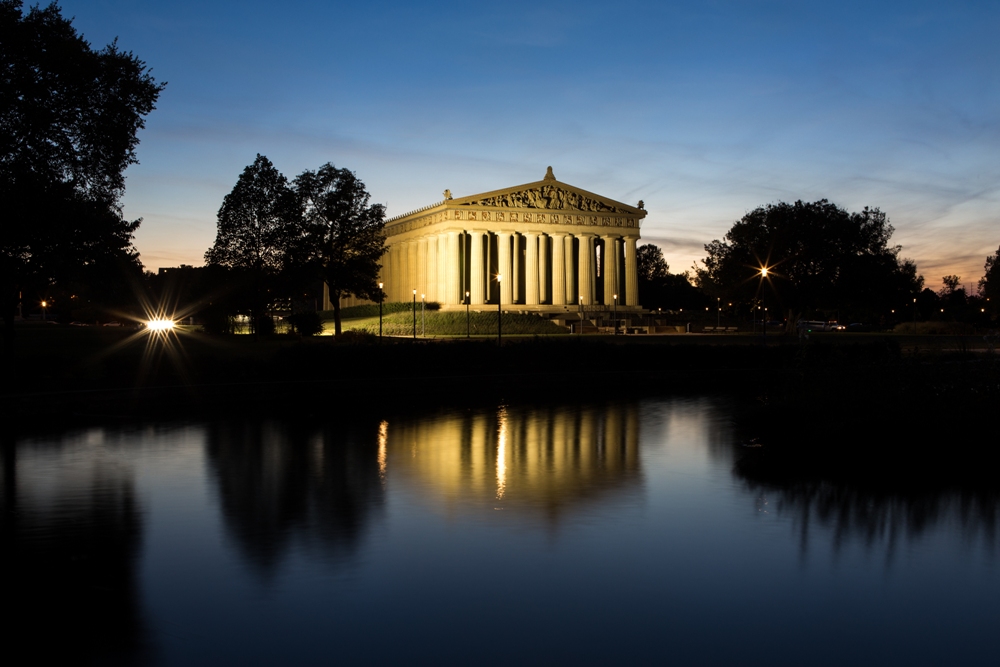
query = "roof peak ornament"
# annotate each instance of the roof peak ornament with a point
(549, 176)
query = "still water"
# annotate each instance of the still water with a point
(595, 534)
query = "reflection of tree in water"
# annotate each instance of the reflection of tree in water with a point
(874, 505)
(71, 532)
(280, 485)
(548, 460)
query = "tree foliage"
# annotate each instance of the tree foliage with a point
(660, 289)
(650, 263)
(989, 285)
(820, 258)
(69, 122)
(343, 234)
(256, 230)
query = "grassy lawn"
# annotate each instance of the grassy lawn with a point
(437, 323)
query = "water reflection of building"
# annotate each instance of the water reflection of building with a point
(546, 459)
(283, 484)
(71, 533)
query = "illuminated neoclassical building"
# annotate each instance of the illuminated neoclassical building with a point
(553, 245)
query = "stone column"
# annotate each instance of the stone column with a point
(453, 278)
(402, 253)
(515, 272)
(505, 267)
(421, 283)
(443, 295)
(558, 269)
(388, 271)
(432, 268)
(571, 285)
(543, 268)
(531, 269)
(411, 269)
(609, 269)
(586, 285)
(477, 269)
(631, 273)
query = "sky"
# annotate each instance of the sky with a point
(704, 110)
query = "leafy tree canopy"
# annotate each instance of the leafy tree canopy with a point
(257, 228)
(660, 289)
(255, 220)
(819, 256)
(344, 234)
(989, 285)
(650, 263)
(69, 120)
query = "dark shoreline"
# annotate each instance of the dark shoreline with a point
(828, 400)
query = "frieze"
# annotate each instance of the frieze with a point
(511, 216)
(547, 197)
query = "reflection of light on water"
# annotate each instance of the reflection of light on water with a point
(383, 432)
(501, 452)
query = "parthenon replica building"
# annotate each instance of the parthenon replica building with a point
(545, 246)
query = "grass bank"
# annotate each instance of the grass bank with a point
(437, 323)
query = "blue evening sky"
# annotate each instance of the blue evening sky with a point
(705, 110)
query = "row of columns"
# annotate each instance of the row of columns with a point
(444, 266)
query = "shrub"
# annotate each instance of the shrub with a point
(308, 323)
(265, 325)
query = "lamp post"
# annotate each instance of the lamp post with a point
(423, 322)
(914, 316)
(763, 312)
(580, 298)
(414, 314)
(616, 314)
(381, 297)
(499, 309)
(468, 322)
(44, 306)
(718, 312)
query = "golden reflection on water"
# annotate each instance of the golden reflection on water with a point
(501, 452)
(383, 434)
(540, 457)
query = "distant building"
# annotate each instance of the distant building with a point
(553, 245)
(164, 270)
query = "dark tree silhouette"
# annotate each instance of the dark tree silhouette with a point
(344, 234)
(820, 258)
(257, 225)
(989, 285)
(650, 263)
(658, 288)
(69, 119)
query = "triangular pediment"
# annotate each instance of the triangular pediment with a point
(548, 194)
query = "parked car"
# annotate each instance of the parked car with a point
(112, 323)
(858, 327)
(811, 326)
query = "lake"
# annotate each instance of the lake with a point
(619, 532)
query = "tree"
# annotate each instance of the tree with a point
(650, 264)
(343, 235)
(658, 288)
(820, 258)
(69, 120)
(989, 285)
(257, 227)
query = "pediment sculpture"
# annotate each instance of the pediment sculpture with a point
(548, 197)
